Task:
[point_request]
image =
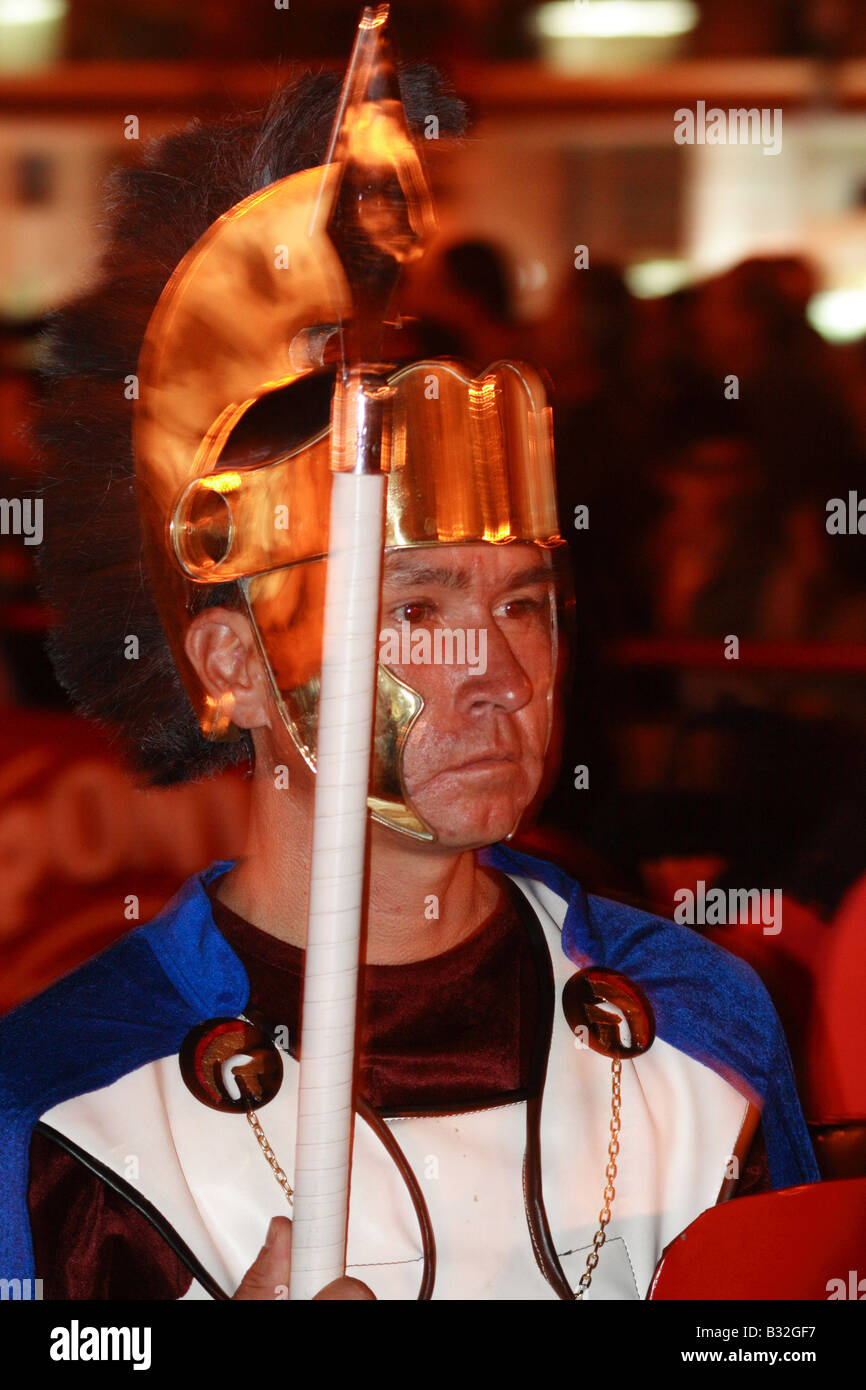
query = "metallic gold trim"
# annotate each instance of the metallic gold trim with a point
(248, 313)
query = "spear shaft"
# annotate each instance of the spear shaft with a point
(379, 220)
(325, 1106)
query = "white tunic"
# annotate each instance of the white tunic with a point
(204, 1171)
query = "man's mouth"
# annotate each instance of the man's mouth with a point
(480, 761)
(488, 763)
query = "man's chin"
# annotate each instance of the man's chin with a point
(472, 827)
(461, 842)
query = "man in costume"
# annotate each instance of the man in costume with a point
(551, 1086)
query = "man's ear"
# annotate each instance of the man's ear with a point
(222, 648)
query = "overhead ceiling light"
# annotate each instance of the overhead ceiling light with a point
(31, 11)
(653, 279)
(611, 19)
(838, 315)
(31, 33)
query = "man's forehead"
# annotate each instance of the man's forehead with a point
(460, 566)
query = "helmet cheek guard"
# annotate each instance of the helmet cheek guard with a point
(234, 469)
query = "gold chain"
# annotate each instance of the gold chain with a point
(610, 1173)
(270, 1156)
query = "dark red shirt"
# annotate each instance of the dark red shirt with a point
(448, 1033)
(453, 1032)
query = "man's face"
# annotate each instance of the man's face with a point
(473, 761)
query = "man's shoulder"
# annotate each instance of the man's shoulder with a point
(681, 951)
(84, 1030)
(124, 1007)
(706, 1000)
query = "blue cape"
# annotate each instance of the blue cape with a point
(136, 1002)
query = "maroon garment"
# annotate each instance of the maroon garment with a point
(88, 1241)
(451, 1032)
(439, 1034)
(755, 1176)
(454, 1031)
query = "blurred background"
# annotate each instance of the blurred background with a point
(701, 312)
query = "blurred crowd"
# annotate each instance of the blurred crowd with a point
(705, 432)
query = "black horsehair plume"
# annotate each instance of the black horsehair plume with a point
(90, 560)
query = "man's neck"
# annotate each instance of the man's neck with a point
(422, 900)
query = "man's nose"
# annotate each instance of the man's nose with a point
(502, 685)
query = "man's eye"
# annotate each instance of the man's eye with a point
(412, 612)
(524, 607)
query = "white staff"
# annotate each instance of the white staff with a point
(325, 1109)
(349, 665)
